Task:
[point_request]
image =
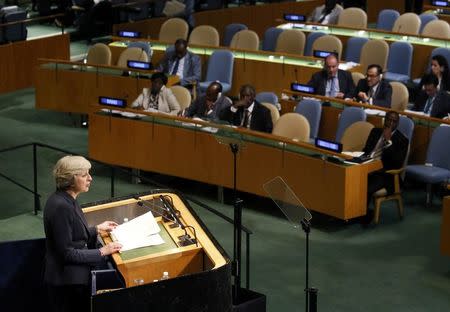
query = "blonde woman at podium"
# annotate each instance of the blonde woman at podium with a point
(71, 250)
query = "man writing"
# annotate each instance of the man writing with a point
(332, 81)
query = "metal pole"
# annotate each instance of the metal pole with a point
(112, 181)
(36, 196)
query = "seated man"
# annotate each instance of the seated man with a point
(327, 13)
(158, 98)
(431, 101)
(374, 89)
(247, 112)
(332, 81)
(183, 63)
(209, 105)
(389, 144)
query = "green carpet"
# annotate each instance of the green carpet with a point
(393, 267)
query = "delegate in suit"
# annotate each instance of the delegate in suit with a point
(374, 89)
(389, 144)
(247, 112)
(431, 101)
(71, 250)
(332, 81)
(327, 13)
(209, 106)
(179, 61)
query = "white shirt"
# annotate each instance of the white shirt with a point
(250, 111)
(180, 70)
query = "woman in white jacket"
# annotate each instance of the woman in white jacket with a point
(158, 98)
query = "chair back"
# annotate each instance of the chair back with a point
(407, 23)
(270, 38)
(145, 46)
(357, 76)
(204, 35)
(135, 54)
(400, 96)
(230, 30)
(246, 40)
(274, 113)
(349, 116)
(291, 41)
(438, 29)
(16, 32)
(99, 54)
(312, 110)
(353, 17)
(438, 149)
(173, 29)
(374, 52)
(312, 36)
(328, 43)
(268, 97)
(182, 95)
(353, 48)
(292, 126)
(406, 127)
(399, 61)
(355, 136)
(220, 68)
(386, 19)
(425, 18)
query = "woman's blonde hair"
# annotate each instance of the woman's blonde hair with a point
(66, 168)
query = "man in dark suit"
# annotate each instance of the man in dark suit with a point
(374, 89)
(247, 112)
(183, 63)
(389, 144)
(431, 101)
(209, 106)
(332, 81)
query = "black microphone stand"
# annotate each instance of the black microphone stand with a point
(237, 228)
(310, 293)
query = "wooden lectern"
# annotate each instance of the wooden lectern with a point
(199, 273)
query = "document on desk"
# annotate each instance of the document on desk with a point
(139, 232)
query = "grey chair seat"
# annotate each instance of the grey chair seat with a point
(427, 174)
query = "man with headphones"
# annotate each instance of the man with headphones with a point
(210, 104)
(332, 81)
(373, 89)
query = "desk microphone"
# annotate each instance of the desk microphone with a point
(170, 214)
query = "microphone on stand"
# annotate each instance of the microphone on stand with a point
(169, 214)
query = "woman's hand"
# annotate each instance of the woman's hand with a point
(110, 248)
(107, 226)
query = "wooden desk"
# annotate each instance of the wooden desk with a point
(427, 8)
(18, 59)
(73, 87)
(165, 145)
(423, 128)
(445, 228)
(422, 45)
(257, 17)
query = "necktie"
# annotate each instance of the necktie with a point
(175, 67)
(245, 119)
(332, 87)
(427, 108)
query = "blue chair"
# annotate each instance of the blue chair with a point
(270, 38)
(406, 127)
(445, 52)
(267, 97)
(349, 116)
(310, 41)
(437, 165)
(399, 62)
(425, 18)
(353, 49)
(145, 46)
(312, 111)
(230, 30)
(220, 68)
(386, 19)
(16, 32)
